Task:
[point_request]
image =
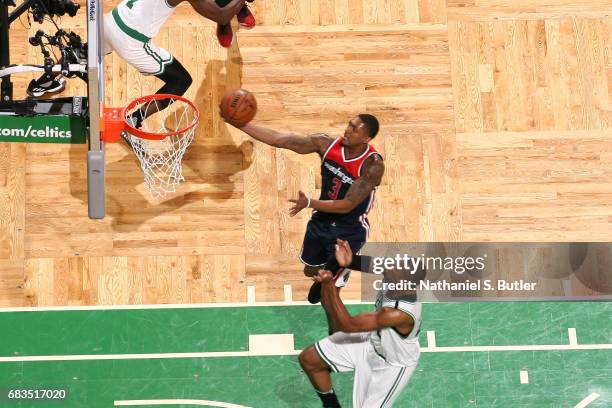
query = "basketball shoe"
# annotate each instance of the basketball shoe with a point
(45, 84)
(246, 18)
(225, 35)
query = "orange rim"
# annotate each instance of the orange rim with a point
(161, 135)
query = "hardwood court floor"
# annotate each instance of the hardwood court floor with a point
(496, 126)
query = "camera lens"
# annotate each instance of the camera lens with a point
(72, 8)
(61, 7)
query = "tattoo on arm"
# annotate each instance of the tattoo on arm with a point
(373, 173)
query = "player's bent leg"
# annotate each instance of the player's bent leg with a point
(176, 79)
(340, 352)
(135, 48)
(384, 387)
(176, 82)
(310, 271)
(319, 374)
(314, 255)
(340, 277)
(149, 59)
(356, 237)
(316, 369)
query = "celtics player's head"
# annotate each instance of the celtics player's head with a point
(360, 130)
(401, 283)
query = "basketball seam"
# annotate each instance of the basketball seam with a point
(239, 105)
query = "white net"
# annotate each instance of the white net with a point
(161, 160)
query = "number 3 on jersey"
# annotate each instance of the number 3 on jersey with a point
(333, 194)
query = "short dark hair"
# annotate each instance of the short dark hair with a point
(371, 124)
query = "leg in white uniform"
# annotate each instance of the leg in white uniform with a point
(377, 383)
(141, 53)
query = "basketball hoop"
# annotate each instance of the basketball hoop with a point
(160, 142)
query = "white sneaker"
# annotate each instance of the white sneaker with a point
(36, 89)
(342, 277)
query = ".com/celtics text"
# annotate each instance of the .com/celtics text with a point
(443, 285)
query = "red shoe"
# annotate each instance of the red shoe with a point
(225, 35)
(245, 17)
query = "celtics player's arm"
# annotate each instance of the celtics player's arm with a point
(374, 168)
(212, 11)
(363, 322)
(316, 143)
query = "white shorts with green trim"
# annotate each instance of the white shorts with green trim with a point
(135, 49)
(377, 384)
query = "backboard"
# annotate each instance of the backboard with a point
(95, 91)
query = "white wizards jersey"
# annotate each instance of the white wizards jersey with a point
(396, 348)
(146, 17)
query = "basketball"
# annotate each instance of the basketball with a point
(238, 107)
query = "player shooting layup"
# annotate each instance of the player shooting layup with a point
(381, 347)
(351, 170)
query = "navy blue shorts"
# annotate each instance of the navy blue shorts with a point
(319, 245)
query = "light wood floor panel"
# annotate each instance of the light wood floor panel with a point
(12, 200)
(12, 282)
(534, 186)
(531, 75)
(12, 182)
(288, 13)
(135, 280)
(495, 10)
(496, 127)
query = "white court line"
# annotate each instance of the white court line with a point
(271, 344)
(168, 306)
(207, 305)
(573, 339)
(288, 293)
(212, 354)
(546, 347)
(524, 376)
(133, 403)
(587, 400)
(153, 356)
(250, 295)
(431, 339)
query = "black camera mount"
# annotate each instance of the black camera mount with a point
(40, 9)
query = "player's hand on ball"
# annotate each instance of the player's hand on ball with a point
(324, 276)
(300, 203)
(238, 107)
(344, 254)
(229, 121)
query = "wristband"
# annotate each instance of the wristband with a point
(308, 204)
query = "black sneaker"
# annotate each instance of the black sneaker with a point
(132, 121)
(314, 294)
(45, 84)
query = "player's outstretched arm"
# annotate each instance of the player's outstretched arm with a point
(374, 168)
(316, 143)
(363, 322)
(212, 11)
